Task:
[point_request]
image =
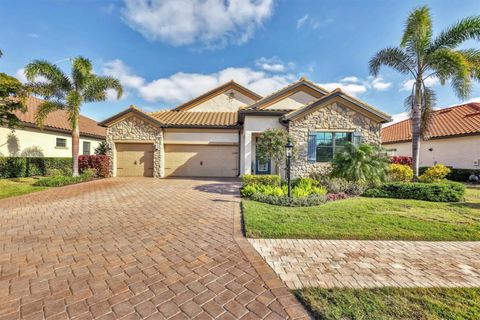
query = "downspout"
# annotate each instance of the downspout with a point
(239, 151)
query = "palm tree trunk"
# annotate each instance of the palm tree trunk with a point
(416, 124)
(75, 148)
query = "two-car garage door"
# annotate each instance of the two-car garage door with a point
(181, 160)
(201, 160)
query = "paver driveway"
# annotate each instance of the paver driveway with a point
(134, 248)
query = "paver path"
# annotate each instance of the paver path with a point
(134, 248)
(367, 264)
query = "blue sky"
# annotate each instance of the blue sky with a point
(168, 51)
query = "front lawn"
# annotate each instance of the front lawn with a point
(392, 303)
(18, 186)
(368, 218)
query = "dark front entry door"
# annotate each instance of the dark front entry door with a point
(261, 167)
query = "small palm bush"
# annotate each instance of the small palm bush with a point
(365, 163)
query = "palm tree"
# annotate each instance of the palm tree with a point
(422, 57)
(62, 92)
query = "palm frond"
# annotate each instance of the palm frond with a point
(465, 29)
(448, 63)
(45, 89)
(81, 72)
(418, 30)
(1, 53)
(96, 88)
(473, 58)
(45, 109)
(392, 57)
(49, 71)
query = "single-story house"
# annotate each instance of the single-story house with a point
(215, 133)
(55, 140)
(452, 138)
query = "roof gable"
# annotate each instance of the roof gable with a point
(458, 120)
(303, 85)
(228, 91)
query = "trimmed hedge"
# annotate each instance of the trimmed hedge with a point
(264, 179)
(99, 163)
(436, 192)
(59, 181)
(308, 201)
(20, 167)
(456, 174)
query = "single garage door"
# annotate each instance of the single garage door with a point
(134, 159)
(201, 160)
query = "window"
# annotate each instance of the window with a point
(322, 146)
(61, 143)
(86, 148)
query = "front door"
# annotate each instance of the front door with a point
(261, 167)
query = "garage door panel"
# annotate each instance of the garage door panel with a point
(134, 159)
(201, 161)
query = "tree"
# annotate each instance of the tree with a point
(62, 92)
(102, 148)
(271, 146)
(423, 57)
(364, 163)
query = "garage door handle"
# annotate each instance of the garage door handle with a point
(135, 162)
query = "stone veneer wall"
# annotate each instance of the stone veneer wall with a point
(333, 116)
(134, 128)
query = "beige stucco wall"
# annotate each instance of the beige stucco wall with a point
(333, 117)
(27, 139)
(460, 152)
(230, 101)
(200, 136)
(252, 125)
(292, 102)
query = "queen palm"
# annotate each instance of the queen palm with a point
(62, 92)
(422, 56)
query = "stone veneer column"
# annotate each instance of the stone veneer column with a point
(331, 117)
(136, 129)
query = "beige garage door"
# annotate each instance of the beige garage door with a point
(134, 159)
(201, 161)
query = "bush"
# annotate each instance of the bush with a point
(436, 173)
(437, 192)
(338, 185)
(457, 174)
(266, 179)
(401, 160)
(20, 167)
(336, 196)
(100, 163)
(308, 201)
(400, 172)
(58, 181)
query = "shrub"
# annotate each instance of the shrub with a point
(100, 163)
(336, 196)
(305, 182)
(337, 185)
(54, 173)
(438, 192)
(58, 181)
(311, 200)
(436, 173)
(400, 172)
(102, 148)
(401, 160)
(248, 190)
(19, 167)
(267, 179)
(366, 163)
(457, 174)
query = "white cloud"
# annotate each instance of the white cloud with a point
(20, 75)
(397, 118)
(408, 84)
(273, 64)
(356, 86)
(117, 69)
(209, 22)
(302, 20)
(312, 22)
(33, 35)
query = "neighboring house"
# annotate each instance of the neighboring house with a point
(215, 134)
(452, 139)
(55, 140)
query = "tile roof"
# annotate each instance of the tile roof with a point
(58, 120)
(185, 118)
(457, 120)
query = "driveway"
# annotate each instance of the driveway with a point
(134, 248)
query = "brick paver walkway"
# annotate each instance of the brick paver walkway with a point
(134, 248)
(367, 264)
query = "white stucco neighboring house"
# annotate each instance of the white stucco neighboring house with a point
(215, 134)
(54, 140)
(452, 138)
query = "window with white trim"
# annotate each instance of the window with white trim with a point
(61, 143)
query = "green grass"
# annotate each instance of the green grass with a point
(368, 218)
(392, 303)
(18, 186)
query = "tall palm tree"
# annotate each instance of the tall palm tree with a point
(421, 57)
(62, 92)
